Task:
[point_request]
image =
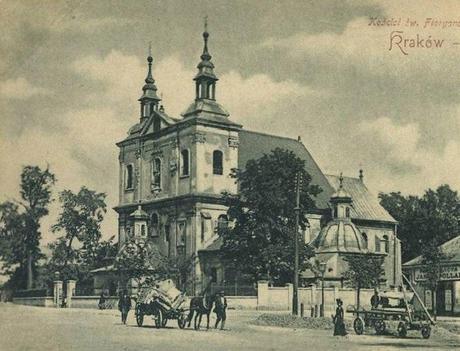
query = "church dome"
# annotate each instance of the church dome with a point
(340, 236)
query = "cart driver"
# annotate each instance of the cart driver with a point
(375, 299)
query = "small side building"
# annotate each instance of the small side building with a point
(447, 296)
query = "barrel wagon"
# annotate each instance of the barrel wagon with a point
(163, 302)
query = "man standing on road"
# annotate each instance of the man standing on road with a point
(220, 309)
(124, 305)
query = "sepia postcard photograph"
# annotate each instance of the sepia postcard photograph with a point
(229, 175)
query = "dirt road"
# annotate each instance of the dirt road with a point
(37, 328)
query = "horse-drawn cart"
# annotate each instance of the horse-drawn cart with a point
(395, 310)
(162, 301)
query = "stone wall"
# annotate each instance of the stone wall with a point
(34, 301)
(280, 298)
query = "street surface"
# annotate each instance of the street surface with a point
(38, 328)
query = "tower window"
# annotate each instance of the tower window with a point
(386, 244)
(365, 240)
(154, 225)
(377, 244)
(185, 163)
(143, 230)
(129, 177)
(217, 164)
(347, 212)
(156, 174)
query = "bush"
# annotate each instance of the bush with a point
(290, 321)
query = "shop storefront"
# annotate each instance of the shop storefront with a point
(447, 295)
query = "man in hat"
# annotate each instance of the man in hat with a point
(124, 305)
(220, 309)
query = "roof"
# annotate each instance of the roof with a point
(214, 246)
(340, 235)
(206, 106)
(254, 145)
(450, 248)
(365, 204)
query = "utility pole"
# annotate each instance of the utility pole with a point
(295, 296)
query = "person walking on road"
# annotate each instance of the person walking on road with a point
(338, 319)
(220, 310)
(124, 305)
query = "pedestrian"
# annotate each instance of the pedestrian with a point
(338, 319)
(101, 303)
(124, 305)
(375, 299)
(220, 309)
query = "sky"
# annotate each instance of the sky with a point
(71, 73)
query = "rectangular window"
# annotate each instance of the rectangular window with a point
(185, 163)
(217, 162)
(181, 233)
(129, 177)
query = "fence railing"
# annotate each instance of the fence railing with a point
(234, 289)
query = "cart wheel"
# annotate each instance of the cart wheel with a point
(164, 322)
(158, 319)
(181, 321)
(358, 325)
(402, 329)
(379, 327)
(139, 316)
(426, 331)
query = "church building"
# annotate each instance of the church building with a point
(173, 171)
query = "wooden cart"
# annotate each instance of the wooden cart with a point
(400, 315)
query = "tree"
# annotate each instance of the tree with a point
(261, 241)
(363, 271)
(21, 229)
(433, 217)
(141, 260)
(79, 249)
(432, 259)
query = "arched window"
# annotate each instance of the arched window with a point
(154, 225)
(377, 244)
(129, 177)
(366, 240)
(386, 244)
(143, 230)
(185, 163)
(222, 223)
(156, 174)
(217, 164)
(347, 212)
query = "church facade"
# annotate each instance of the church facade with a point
(173, 171)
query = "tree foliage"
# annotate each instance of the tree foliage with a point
(20, 223)
(433, 217)
(79, 248)
(364, 271)
(261, 241)
(141, 260)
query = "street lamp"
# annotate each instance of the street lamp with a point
(322, 270)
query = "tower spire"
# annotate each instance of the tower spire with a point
(149, 99)
(205, 79)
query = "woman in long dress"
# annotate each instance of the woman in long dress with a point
(339, 324)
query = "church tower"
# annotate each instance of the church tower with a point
(149, 99)
(205, 103)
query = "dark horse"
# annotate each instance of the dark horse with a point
(200, 305)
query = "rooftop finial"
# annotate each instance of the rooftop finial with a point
(361, 175)
(150, 48)
(341, 180)
(149, 78)
(205, 56)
